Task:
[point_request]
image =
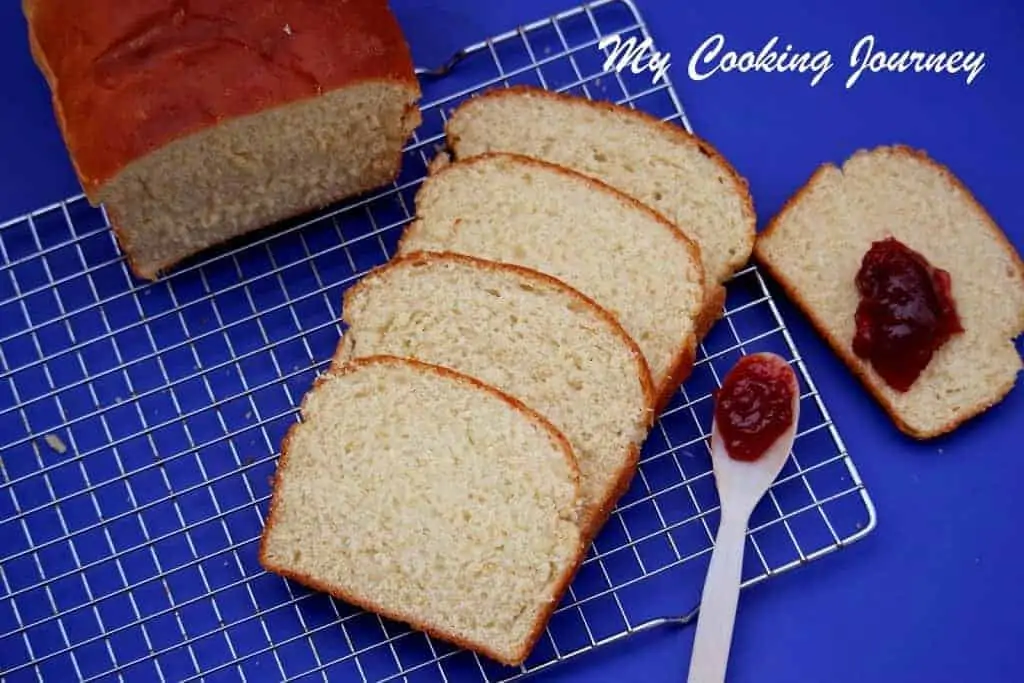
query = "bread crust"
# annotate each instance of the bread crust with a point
(714, 308)
(710, 314)
(614, 492)
(677, 133)
(618, 490)
(312, 582)
(682, 364)
(131, 75)
(843, 348)
(682, 367)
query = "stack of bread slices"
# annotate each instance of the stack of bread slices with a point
(488, 400)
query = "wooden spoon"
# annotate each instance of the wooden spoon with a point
(756, 414)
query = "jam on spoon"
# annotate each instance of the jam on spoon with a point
(906, 312)
(755, 405)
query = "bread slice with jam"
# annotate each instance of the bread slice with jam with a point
(896, 199)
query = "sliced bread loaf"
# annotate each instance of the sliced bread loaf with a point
(429, 498)
(814, 247)
(197, 122)
(526, 334)
(605, 244)
(660, 164)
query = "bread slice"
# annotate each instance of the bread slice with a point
(526, 334)
(618, 252)
(429, 498)
(815, 245)
(196, 124)
(660, 164)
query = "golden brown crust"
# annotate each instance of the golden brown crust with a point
(842, 348)
(714, 308)
(682, 366)
(312, 582)
(643, 370)
(545, 615)
(157, 70)
(680, 134)
(683, 362)
(617, 491)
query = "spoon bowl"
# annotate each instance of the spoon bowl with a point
(741, 484)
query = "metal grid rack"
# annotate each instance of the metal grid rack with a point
(140, 422)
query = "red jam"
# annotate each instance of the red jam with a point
(906, 312)
(755, 405)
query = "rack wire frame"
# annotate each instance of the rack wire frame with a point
(140, 423)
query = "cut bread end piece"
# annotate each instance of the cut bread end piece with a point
(528, 335)
(429, 498)
(815, 245)
(603, 243)
(679, 175)
(251, 172)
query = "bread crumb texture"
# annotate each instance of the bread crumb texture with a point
(658, 163)
(225, 181)
(55, 443)
(815, 245)
(527, 335)
(429, 499)
(518, 210)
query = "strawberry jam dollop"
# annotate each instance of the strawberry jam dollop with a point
(754, 407)
(906, 312)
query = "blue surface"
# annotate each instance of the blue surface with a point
(932, 594)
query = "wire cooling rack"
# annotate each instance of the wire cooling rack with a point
(140, 422)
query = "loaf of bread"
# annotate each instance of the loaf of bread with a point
(815, 247)
(526, 334)
(429, 498)
(197, 122)
(616, 251)
(658, 163)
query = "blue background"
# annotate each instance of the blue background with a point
(933, 594)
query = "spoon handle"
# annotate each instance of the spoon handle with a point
(718, 603)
